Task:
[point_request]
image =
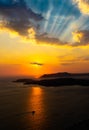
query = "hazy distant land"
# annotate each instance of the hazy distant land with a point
(59, 79)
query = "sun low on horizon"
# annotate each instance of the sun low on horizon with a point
(43, 36)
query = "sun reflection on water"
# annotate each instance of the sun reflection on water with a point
(36, 103)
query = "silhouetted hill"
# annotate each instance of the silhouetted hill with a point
(25, 80)
(66, 75)
(55, 75)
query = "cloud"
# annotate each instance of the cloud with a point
(81, 37)
(67, 63)
(45, 39)
(77, 36)
(16, 16)
(85, 58)
(73, 60)
(83, 6)
(36, 63)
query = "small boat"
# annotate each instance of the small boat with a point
(33, 112)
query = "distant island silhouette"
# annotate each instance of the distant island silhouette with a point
(59, 79)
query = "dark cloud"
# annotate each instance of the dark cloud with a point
(85, 37)
(82, 38)
(36, 63)
(44, 38)
(15, 15)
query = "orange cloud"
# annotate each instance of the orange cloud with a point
(83, 5)
(81, 38)
(77, 36)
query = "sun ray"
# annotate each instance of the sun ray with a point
(55, 22)
(64, 21)
(47, 17)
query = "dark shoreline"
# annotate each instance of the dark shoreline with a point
(55, 82)
(58, 79)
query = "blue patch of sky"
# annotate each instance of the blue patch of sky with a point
(42, 6)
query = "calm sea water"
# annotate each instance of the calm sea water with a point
(55, 108)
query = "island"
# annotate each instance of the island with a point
(58, 79)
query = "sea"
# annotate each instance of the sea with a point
(33, 107)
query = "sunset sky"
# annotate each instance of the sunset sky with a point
(43, 36)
